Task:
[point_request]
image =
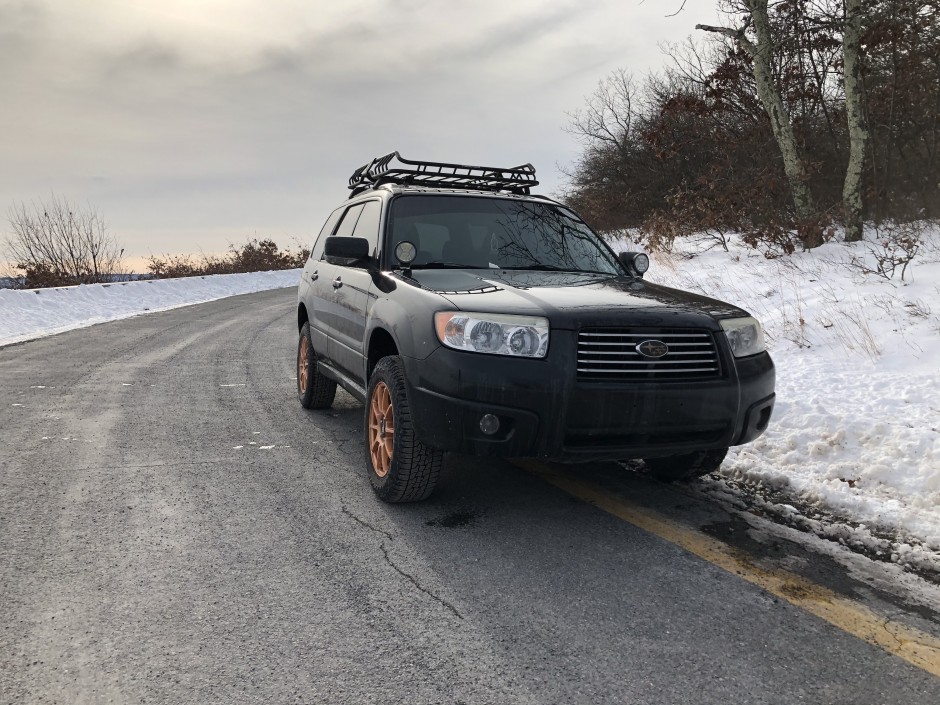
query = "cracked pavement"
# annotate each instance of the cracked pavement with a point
(175, 528)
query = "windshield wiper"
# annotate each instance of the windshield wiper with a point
(539, 268)
(553, 268)
(444, 265)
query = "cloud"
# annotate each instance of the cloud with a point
(20, 17)
(21, 24)
(147, 56)
(179, 118)
(500, 40)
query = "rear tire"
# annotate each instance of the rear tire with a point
(313, 389)
(401, 468)
(686, 467)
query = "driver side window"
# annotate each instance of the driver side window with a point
(368, 225)
(316, 253)
(348, 223)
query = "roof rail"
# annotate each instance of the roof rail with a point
(394, 169)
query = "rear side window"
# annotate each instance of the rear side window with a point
(368, 225)
(327, 229)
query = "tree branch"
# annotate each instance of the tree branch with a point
(672, 14)
(735, 34)
(681, 8)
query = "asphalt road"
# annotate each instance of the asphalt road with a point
(174, 528)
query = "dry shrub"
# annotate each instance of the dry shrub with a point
(703, 221)
(775, 238)
(253, 256)
(896, 246)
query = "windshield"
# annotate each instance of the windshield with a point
(481, 233)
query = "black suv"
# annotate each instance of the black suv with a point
(471, 316)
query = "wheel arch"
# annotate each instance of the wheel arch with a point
(381, 344)
(302, 316)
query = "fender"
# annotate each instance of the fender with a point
(406, 317)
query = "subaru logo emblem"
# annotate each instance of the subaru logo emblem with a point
(652, 348)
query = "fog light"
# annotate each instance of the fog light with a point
(489, 424)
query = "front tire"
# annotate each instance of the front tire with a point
(401, 468)
(686, 467)
(313, 389)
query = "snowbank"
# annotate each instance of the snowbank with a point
(33, 313)
(856, 429)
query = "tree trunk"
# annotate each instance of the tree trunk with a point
(769, 95)
(855, 116)
(761, 53)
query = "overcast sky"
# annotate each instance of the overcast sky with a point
(190, 124)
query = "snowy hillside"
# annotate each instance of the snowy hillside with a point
(856, 429)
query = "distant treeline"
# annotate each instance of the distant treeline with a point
(703, 145)
(54, 242)
(252, 256)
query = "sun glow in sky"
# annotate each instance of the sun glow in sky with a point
(191, 124)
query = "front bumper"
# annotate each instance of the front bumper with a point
(546, 412)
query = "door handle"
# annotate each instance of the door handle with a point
(337, 283)
(314, 276)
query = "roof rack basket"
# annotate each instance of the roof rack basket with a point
(393, 169)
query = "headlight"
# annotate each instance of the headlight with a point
(744, 335)
(520, 336)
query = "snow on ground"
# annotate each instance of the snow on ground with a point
(34, 313)
(856, 428)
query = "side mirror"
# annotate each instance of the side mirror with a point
(345, 251)
(635, 262)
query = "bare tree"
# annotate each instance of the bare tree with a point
(614, 161)
(608, 119)
(55, 244)
(761, 51)
(855, 118)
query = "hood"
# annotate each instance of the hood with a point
(574, 299)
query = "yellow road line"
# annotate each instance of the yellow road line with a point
(912, 645)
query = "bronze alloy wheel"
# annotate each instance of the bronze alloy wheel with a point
(303, 364)
(381, 429)
(313, 389)
(401, 468)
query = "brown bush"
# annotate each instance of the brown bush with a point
(253, 256)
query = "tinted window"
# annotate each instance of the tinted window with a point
(494, 232)
(327, 229)
(348, 223)
(368, 225)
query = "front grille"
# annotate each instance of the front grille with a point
(611, 354)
